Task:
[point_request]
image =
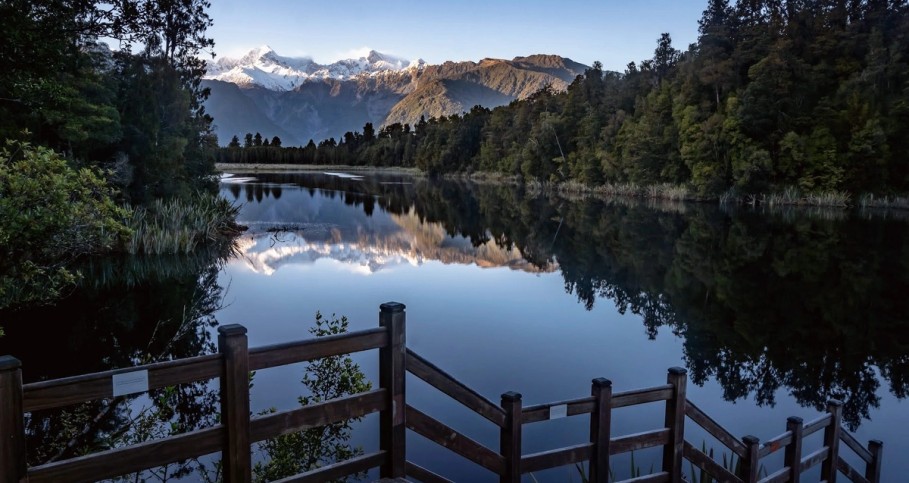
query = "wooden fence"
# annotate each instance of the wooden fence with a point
(238, 430)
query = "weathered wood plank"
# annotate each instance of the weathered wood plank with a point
(455, 389)
(540, 412)
(116, 462)
(832, 440)
(793, 453)
(443, 435)
(850, 472)
(873, 469)
(779, 476)
(600, 430)
(642, 396)
(675, 422)
(339, 470)
(751, 462)
(816, 425)
(814, 458)
(315, 415)
(416, 471)
(307, 350)
(510, 438)
(392, 377)
(87, 387)
(634, 442)
(706, 463)
(661, 477)
(714, 428)
(775, 444)
(556, 457)
(12, 430)
(855, 446)
(236, 459)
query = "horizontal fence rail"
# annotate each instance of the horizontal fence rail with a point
(238, 431)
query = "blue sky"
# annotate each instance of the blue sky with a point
(613, 32)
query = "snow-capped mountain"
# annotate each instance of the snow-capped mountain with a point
(264, 67)
(298, 99)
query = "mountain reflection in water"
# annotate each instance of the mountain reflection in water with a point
(809, 302)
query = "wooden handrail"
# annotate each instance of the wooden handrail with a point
(816, 425)
(439, 379)
(234, 438)
(639, 441)
(541, 412)
(120, 461)
(443, 435)
(310, 349)
(423, 474)
(855, 446)
(642, 396)
(555, 458)
(714, 428)
(315, 415)
(775, 444)
(339, 470)
(706, 463)
(87, 387)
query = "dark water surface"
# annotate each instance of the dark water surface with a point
(772, 314)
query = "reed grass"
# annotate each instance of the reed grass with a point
(180, 226)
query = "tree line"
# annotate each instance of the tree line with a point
(812, 94)
(91, 140)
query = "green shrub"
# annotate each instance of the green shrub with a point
(50, 214)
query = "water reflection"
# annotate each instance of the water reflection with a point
(789, 300)
(126, 312)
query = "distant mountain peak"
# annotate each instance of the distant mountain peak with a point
(264, 67)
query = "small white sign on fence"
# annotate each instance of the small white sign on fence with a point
(130, 383)
(560, 411)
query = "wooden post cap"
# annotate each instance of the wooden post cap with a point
(793, 420)
(602, 382)
(511, 396)
(232, 329)
(678, 371)
(751, 440)
(9, 363)
(392, 307)
(834, 403)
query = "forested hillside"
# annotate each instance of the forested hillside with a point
(811, 94)
(101, 151)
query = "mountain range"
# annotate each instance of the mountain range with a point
(297, 99)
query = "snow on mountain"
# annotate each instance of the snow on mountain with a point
(264, 67)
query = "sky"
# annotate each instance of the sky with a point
(611, 31)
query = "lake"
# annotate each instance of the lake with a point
(771, 311)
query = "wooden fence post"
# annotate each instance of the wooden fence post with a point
(510, 438)
(391, 378)
(675, 421)
(873, 469)
(600, 427)
(750, 463)
(832, 440)
(792, 456)
(12, 429)
(235, 457)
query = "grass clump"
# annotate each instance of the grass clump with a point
(180, 226)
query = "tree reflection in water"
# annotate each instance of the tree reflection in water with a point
(808, 300)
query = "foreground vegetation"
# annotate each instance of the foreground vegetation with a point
(774, 94)
(101, 146)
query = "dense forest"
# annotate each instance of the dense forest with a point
(97, 145)
(804, 94)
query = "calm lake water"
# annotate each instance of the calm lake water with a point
(771, 313)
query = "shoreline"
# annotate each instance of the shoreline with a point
(662, 192)
(284, 168)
